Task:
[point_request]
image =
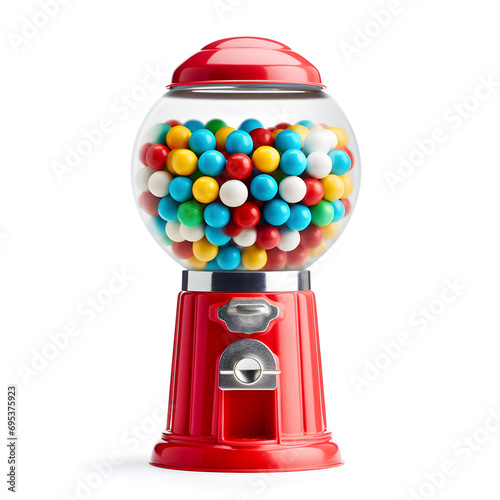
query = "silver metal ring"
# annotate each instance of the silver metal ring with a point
(245, 282)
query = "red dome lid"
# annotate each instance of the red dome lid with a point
(246, 60)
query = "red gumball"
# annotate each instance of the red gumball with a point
(283, 125)
(232, 229)
(261, 137)
(311, 237)
(156, 157)
(183, 249)
(348, 151)
(225, 154)
(221, 178)
(239, 166)
(314, 192)
(297, 257)
(246, 215)
(276, 259)
(173, 123)
(255, 201)
(267, 236)
(149, 203)
(271, 129)
(143, 151)
(347, 206)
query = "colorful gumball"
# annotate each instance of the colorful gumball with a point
(215, 124)
(322, 213)
(216, 215)
(314, 192)
(157, 134)
(267, 236)
(250, 124)
(194, 233)
(212, 163)
(182, 249)
(205, 189)
(194, 263)
(283, 125)
(263, 187)
(201, 140)
(338, 210)
(194, 125)
(246, 238)
(181, 189)
(348, 151)
(182, 162)
(216, 236)
(228, 258)
(239, 141)
(276, 259)
(317, 141)
(158, 183)
(342, 138)
(239, 166)
(330, 231)
(348, 185)
(173, 231)
(204, 250)
(178, 137)
(254, 258)
(142, 178)
(221, 136)
(319, 164)
(311, 237)
(190, 213)
(301, 130)
(156, 156)
(173, 123)
(246, 215)
(275, 133)
(300, 217)
(266, 159)
(289, 239)
(261, 137)
(276, 212)
(341, 162)
(149, 203)
(167, 208)
(347, 205)
(333, 187)
(297, 257)
(316, 252)
(292, 189)
(287, 139)
(306, 123)
(232, 229)
(143, 152)
(293, 162)
(233, 193)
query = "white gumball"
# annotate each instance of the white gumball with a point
(316, 141)
(233, 193)
(173, 230)
(246, 238)
(319, 165)
(195, 233)
(292, 189)
(331, 137)
(289, 240)
(142, 177)
(159, 182)
(316, 127)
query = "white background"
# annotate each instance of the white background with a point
(61, 241)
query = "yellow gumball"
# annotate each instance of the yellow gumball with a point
(348, 186)
(182, 162)
(220, 137)
(342, 139)
(194, 263)
(316, 252)
(330, 230)
(204, 251)
(301, 130)
(333, 187)
(266, 159)
(205, 189)
(277, 131)
(178, 137)
(254, 258)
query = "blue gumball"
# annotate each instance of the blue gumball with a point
(250, 124)
(216, 236)
(341, 162)
(239, 141)
(217, 215)
(293, 162)
(306, 123)
(287, 139)
(181, 189)
(263, 187)
(276, 212)
(228, 258)
(300, 217)
(201, 140)
(194, 125)
(338, 210)
(212, 163)
(167, 208)
(213, 265)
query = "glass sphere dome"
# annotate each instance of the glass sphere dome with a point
(250, 176)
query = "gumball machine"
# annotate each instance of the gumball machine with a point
(246, 172)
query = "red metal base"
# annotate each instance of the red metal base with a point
(198, 456)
